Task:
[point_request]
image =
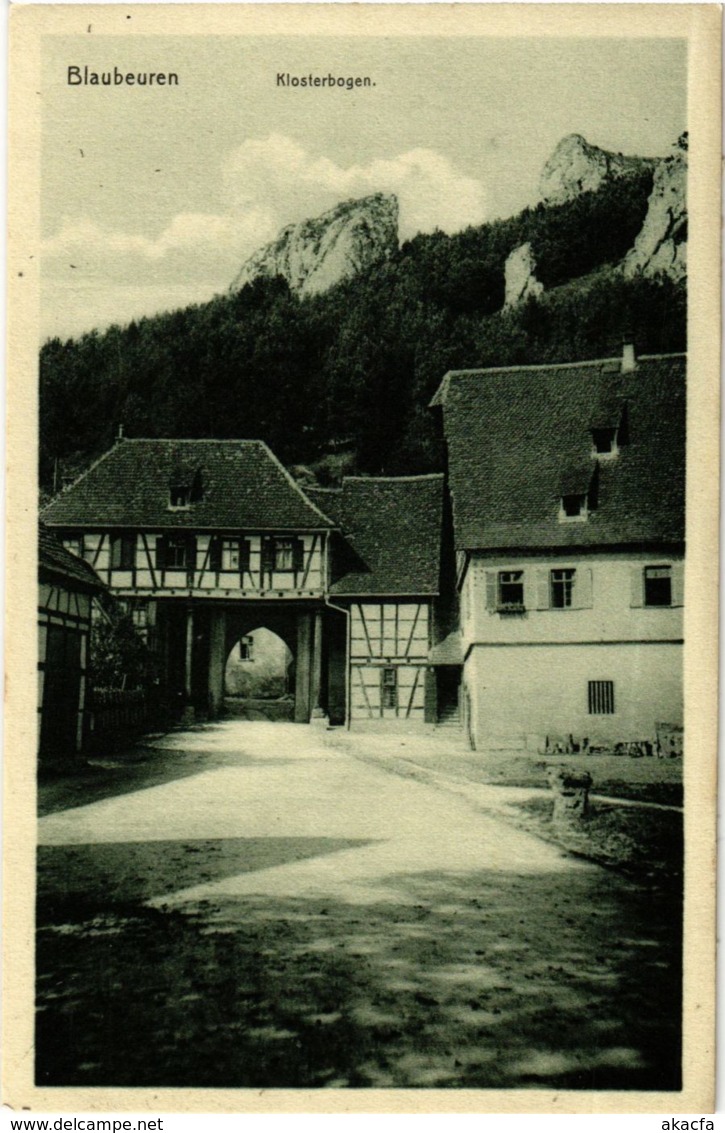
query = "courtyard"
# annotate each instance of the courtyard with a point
(253, 905)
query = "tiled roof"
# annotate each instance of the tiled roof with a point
(518, 438)
(54, 559)
(241, 485)
(393, 528)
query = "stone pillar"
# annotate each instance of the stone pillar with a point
(304, 658)
(217, 642)
(188, 716)
(316, 673)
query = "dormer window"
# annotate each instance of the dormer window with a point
(179, 497)
(574, 508)
(605, 443)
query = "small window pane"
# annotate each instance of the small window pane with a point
(246, 648)
(574, 505)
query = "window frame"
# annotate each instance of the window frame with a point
(646, 577)
(389, 687)
(567, 584)
(176, 543)
(246, 647)
(179, 497)
(577, 517)
(508, 606)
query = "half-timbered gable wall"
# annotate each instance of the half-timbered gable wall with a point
(389, 643)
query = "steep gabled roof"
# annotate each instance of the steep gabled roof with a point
(55, 560)
(520, 437)
(393, 528)
(236, 485)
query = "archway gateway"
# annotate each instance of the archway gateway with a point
(196, 638)
(259, 677)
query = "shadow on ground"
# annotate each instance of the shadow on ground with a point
(485, 980)
(138, 769)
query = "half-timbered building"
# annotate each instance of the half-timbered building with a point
(67, 587)
(205, 541)
(386, 573)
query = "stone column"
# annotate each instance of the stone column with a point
(316, 674)
(188, 657)
(302, 683)
(217, 641)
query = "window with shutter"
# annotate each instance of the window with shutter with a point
(510, 591)
(161, 552)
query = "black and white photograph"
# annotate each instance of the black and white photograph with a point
(367, 421)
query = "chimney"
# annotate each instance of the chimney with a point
(120, 432)
(629, 358)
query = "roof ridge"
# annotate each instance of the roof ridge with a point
(295, 485)
(392, 479)
(558, 365)
(190, 440)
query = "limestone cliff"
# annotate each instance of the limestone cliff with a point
(661, 246)
(318, 253)
(577, 167)
(520, 275)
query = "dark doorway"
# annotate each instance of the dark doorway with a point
(448, 688)
(61, 691)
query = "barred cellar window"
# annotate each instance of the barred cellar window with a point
(601, 698)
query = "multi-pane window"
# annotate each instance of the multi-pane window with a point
(178, 553)
(510, 590)
(246, 648)
(562, 588)
(123, 552)
(140, 615)
(230, 554)
(658, 586)
(389, 687)
(601, 698)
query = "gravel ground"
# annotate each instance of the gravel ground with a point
(242, 906)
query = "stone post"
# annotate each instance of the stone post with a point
(303, 659)
(571, 793)
(217, 639)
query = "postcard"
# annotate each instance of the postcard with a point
(361, 669)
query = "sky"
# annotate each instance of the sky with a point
(152, 198)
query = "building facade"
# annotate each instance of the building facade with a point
(568, 496)
(207, 542)
(66, 590)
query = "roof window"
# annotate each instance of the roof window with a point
(185, 488)
(574, 508)
(604, 442)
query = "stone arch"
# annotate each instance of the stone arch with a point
(259, 666)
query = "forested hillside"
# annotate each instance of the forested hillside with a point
(344, 378)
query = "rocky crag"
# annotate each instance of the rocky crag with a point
(317, 253)
(520, 275)
(577, 167)
(661, 246)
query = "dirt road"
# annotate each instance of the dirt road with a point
(251, 907)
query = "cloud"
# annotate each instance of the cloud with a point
(431, 191)
(268, 183)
